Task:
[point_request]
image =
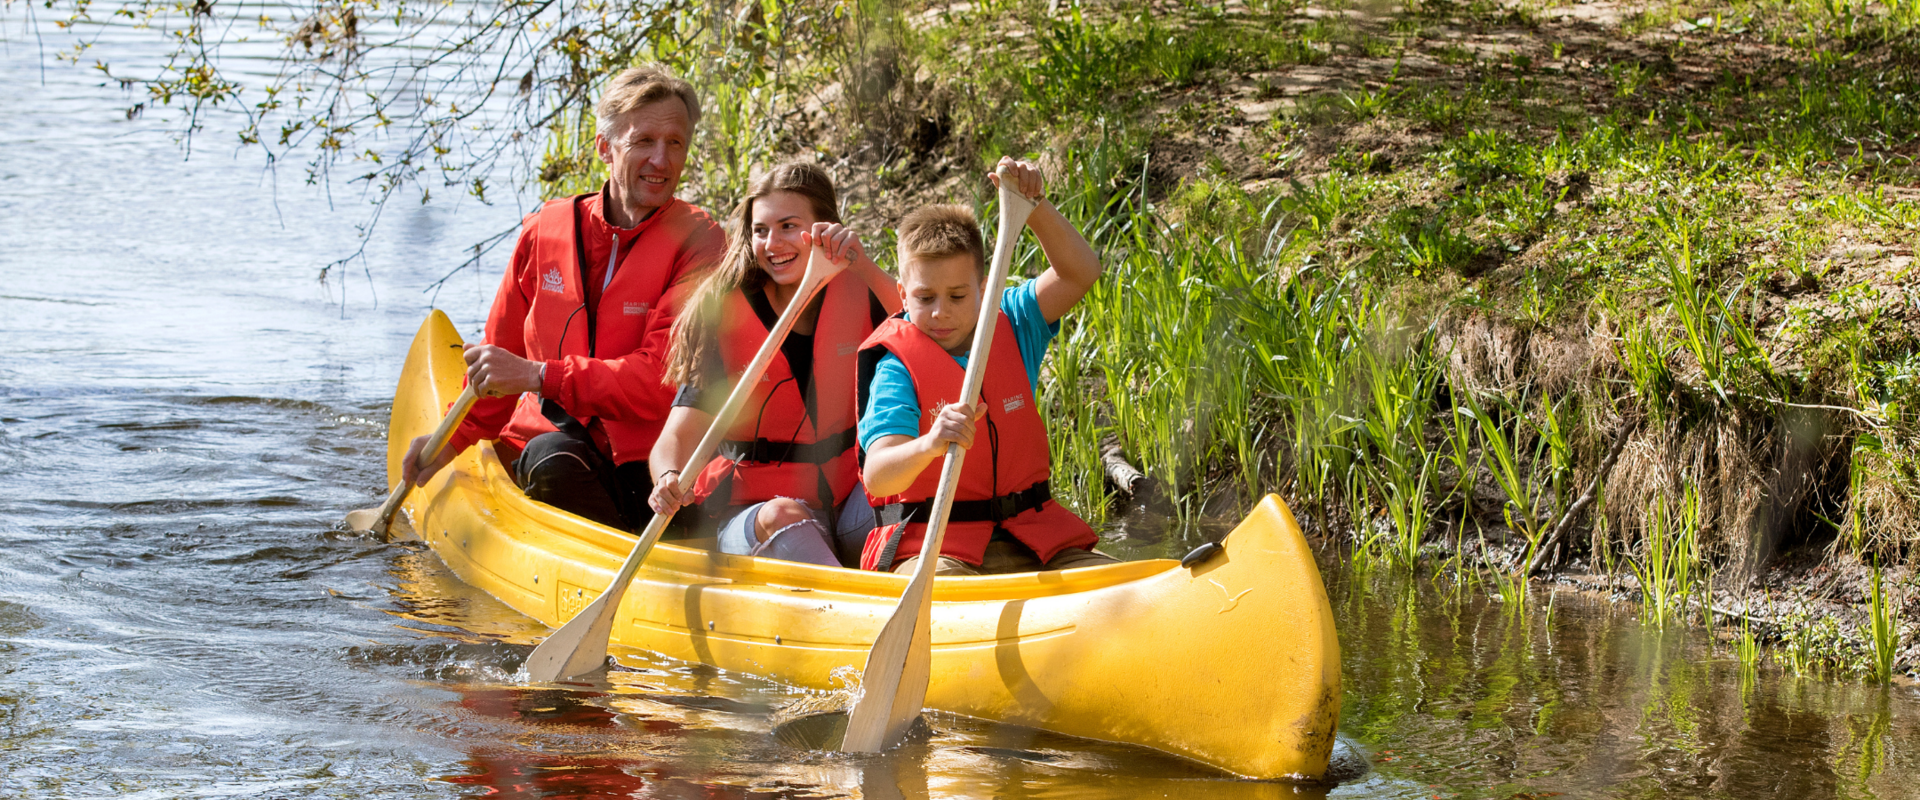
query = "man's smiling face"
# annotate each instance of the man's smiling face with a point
(645, 150)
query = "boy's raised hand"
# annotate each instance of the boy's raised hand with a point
(1072, 266)
(1026, 177)
(954, 423)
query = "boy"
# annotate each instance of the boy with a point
(1004, 518)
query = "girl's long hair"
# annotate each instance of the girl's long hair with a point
(698, 326)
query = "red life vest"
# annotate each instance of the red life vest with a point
(1003, 482)
(775, 448)
(620, 330)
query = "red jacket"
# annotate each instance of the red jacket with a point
(1003, 482)
(775, 448)
(604, 341)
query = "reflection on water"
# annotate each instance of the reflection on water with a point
(655, 727)
(1449, 694)
(1453, 690)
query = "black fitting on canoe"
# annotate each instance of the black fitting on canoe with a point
(1201, 554)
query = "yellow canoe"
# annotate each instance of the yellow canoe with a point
(1233, 663)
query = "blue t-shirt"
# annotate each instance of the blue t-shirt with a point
(894, 408)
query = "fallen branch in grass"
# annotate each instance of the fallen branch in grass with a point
(1627, 427)
(1124, 475)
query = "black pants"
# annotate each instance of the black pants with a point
(565, 469)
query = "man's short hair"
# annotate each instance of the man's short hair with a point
(941, 231)
(637, 86)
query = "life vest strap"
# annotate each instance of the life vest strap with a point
(768, 451)
(994, 509)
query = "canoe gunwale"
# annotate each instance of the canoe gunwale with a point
(599, 542)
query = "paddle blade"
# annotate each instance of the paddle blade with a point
(893, 686)
(362, 520)
(579, 647)
(374, 520)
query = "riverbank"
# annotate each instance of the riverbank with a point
(1489, 288)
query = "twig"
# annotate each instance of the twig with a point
(1627, 427)
(1871, 421)
(1764, 624)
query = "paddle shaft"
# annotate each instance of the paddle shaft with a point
(458, 412)
(580, 646)
(894, 683)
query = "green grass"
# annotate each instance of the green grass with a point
(1669, 564)
(1746, 648)
(1885, 631)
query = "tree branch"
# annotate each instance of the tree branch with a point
(1627, 427)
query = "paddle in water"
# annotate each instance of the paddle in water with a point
(376, 520)
(580, 646)
(894, 684)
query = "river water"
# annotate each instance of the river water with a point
(186, 413)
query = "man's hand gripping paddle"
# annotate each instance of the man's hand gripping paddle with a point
(894, 685)
(376, 521)
(580, 646)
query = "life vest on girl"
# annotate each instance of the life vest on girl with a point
(779, 445)
(1003, 481)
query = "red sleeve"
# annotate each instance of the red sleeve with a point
(630, 388)
(506, 328)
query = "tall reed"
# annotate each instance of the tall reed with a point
(1886, 636)
(1746, 648)
(1668, 568)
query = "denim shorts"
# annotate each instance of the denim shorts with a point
(847, 529)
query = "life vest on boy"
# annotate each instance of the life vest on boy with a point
(776, 448)
(1003, 481)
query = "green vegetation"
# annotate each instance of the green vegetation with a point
(1668, 573)
(1747, 648)
(1385, 295)
(1886, 634)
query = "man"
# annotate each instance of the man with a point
(570, 374)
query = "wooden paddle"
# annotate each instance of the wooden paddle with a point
(894, 684)
(580, 646)
(376, 520)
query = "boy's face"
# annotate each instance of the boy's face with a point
(942, 298)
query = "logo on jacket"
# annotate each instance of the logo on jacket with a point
(552, 282)
(1011, 403)
(849, 348)
(634, 309)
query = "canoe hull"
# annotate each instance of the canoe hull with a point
(1234, 663)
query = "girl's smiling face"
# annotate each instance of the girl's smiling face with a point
(778, 221)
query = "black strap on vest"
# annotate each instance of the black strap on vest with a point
(768, 451)
(563, 421)
(580, 266)
(885, 562)
(994, 510)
